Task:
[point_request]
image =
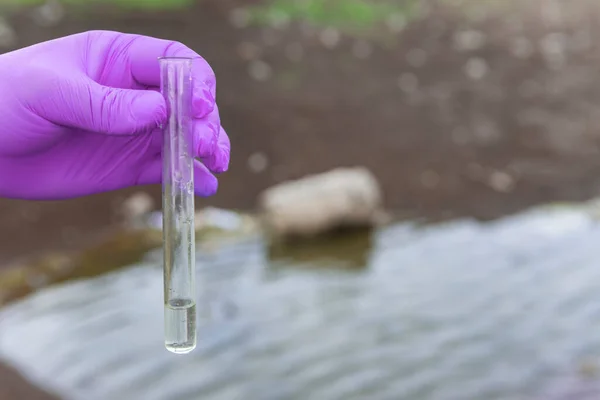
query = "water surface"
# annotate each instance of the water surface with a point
(463, 310)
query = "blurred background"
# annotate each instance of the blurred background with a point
(431, 166)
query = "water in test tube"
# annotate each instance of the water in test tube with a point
(178, 207)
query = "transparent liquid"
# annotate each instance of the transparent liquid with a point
(180, 326)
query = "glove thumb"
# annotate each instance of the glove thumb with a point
(87, 105)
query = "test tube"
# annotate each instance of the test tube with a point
(178, 206)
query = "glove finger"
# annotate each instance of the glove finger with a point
(218, 162)
(205, 183)
(143, 55)
(205, 134)
(201, 108)
(81, 103)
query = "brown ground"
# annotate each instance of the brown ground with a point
(14, 387)
(443, 145)
(523, 134)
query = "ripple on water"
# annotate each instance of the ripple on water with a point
(462, 311)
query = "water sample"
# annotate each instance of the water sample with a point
(178, 207)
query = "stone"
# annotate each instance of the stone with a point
(137, 206)
(260, 70)
(320, 203)
(50, 14)
(469, 40)
(476, 68)
(216, 218)
(330, 38)
(239, 18)
(258, 162)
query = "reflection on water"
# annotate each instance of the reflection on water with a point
(461, 311)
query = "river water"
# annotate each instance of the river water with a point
(458, 311)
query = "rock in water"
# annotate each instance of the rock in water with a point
(343, 197)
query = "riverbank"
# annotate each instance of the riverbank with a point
(457, 114)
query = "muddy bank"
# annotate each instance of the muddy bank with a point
(15, 387)
(452, 124)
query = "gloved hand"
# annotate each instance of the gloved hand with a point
(81, 114)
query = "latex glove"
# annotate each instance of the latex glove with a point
(81, 115)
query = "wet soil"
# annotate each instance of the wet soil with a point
(449, 127)
(15, 387)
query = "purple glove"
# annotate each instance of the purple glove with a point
(80, 115)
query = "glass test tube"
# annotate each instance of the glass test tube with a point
(178, 207)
